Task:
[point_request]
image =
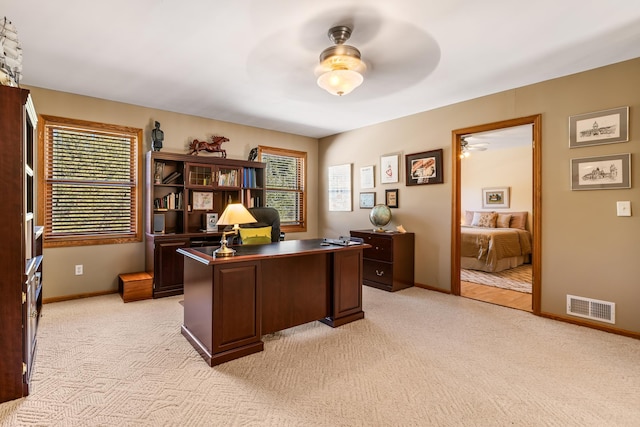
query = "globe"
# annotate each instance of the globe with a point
(380, 216)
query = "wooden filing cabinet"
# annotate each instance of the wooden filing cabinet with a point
(389, 263)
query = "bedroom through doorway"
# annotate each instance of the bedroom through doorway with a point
(495, 200)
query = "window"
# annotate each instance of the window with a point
(89, 183)
(285, 186)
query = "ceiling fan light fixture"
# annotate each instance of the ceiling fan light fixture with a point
(340, 65)
(340, 82)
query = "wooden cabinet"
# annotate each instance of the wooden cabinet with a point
(389, 263)
(21, 251)
(181, 190)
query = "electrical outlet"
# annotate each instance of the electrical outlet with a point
(79, 270)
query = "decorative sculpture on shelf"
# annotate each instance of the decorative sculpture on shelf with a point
(253, 154)
(215, 146)
(157, 136)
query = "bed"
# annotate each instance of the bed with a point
(493, 242)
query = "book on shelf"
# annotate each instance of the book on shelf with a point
(172, 177)
(228, 179)
(170, 201)
(249, 178)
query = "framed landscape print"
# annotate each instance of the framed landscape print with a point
(424, 168)
(602, 127)
(495, 197)
(601, 173)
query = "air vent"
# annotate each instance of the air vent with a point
(593, 309)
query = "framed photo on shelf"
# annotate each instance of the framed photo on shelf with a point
(159, 173)
(495, 197)
(211, 221)
(424, 168)
(601, 127)
(202, 201)
(391, 198)
(601, 172)
(367, 200)
(389, 168)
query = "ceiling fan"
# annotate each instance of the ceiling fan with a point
(293, 59)
(341, 68)
(466, 147)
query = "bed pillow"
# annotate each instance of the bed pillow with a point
(468, 217)
(518, 220)
(255, 236)
(484, 219)
(503, 221)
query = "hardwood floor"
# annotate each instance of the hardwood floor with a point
(493, 295)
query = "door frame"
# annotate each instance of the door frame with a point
(456, 139)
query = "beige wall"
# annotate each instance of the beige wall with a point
(586, 249)
(103, 263)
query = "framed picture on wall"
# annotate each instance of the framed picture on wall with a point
(367, 200)
(601, 172)
(424, 168)
(601, 127)
(495, 197)
(389, 168)
(391, 198)
(340, 187)
(366, 177)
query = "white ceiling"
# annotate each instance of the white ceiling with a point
(252, 61)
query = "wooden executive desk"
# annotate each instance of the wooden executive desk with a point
(229, 303)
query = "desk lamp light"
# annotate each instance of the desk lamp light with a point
(234, 214)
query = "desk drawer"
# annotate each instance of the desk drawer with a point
(376, 271)
(381, 248)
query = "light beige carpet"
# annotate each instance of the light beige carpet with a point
(419, 358)
(516, 279)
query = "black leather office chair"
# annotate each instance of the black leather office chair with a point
(266, 217)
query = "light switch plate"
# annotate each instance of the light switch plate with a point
(624, 208)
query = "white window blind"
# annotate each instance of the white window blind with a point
(91, 182)
(285, 185)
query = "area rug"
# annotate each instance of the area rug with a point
(516, 279)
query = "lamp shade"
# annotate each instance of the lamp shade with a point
(340, 82)
(235, 213)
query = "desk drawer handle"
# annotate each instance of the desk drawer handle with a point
(379, 273)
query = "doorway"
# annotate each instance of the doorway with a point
(457, 205)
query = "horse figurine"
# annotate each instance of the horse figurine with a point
(215, 146)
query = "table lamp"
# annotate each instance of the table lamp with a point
(234, 214)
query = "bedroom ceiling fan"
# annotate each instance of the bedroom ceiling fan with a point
(467, 147)
(341, 68)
